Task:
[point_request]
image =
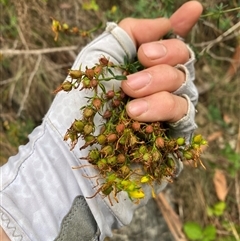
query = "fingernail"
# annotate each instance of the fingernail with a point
(139, 80)
(137, 107)
(154, 50)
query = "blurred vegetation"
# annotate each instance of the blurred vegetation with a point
(29, 76)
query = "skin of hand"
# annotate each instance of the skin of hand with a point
(152, 87)
(160, 78)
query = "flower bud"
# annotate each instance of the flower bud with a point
(97, 103)
(149, 129)
(107, 114)
(136, 126)
(159, 142)
(120, 128)
(110, 94)
(98, 70)
(89, 73)
(121, 158)
(111, 138)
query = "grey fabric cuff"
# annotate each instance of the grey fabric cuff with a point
(79, 224)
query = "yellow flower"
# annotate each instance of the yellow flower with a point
(145, 179)
(136, 194)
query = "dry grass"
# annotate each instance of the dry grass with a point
(27, 82)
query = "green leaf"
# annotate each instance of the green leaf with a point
(193, 231)
(90, 5)
(219, 208)
(209, 233)
(120, 77)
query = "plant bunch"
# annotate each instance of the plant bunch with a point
(128, 154)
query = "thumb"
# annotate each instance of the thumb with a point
(185, 17)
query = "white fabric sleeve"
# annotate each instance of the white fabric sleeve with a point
(39, 184)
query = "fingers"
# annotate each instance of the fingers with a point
(186, 17)
(172, 52)
(161, 106)
(152, 80)
(145, 30)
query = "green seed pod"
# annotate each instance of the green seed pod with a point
(107, 150)
(111, 177)
(75, 74)
(143, 149)
(147, 157)
(197, 139)
(89, 138)
(94, 155)
(170, 162)
(88, 112)
(102, 163)
(106, 188)
(101, 139)
(188, 155)
(78, 125)
(112, 160)
(124, 171)
(181, 141)
(86, 83)
(88, 128)
(67, 86)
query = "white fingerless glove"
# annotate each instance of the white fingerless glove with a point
(39, 185)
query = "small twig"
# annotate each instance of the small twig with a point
(171, 218)
(24, 42)
(37, 51)
(30, 79)
(236, 177)
(221, 37)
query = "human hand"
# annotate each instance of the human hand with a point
(153, 87)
